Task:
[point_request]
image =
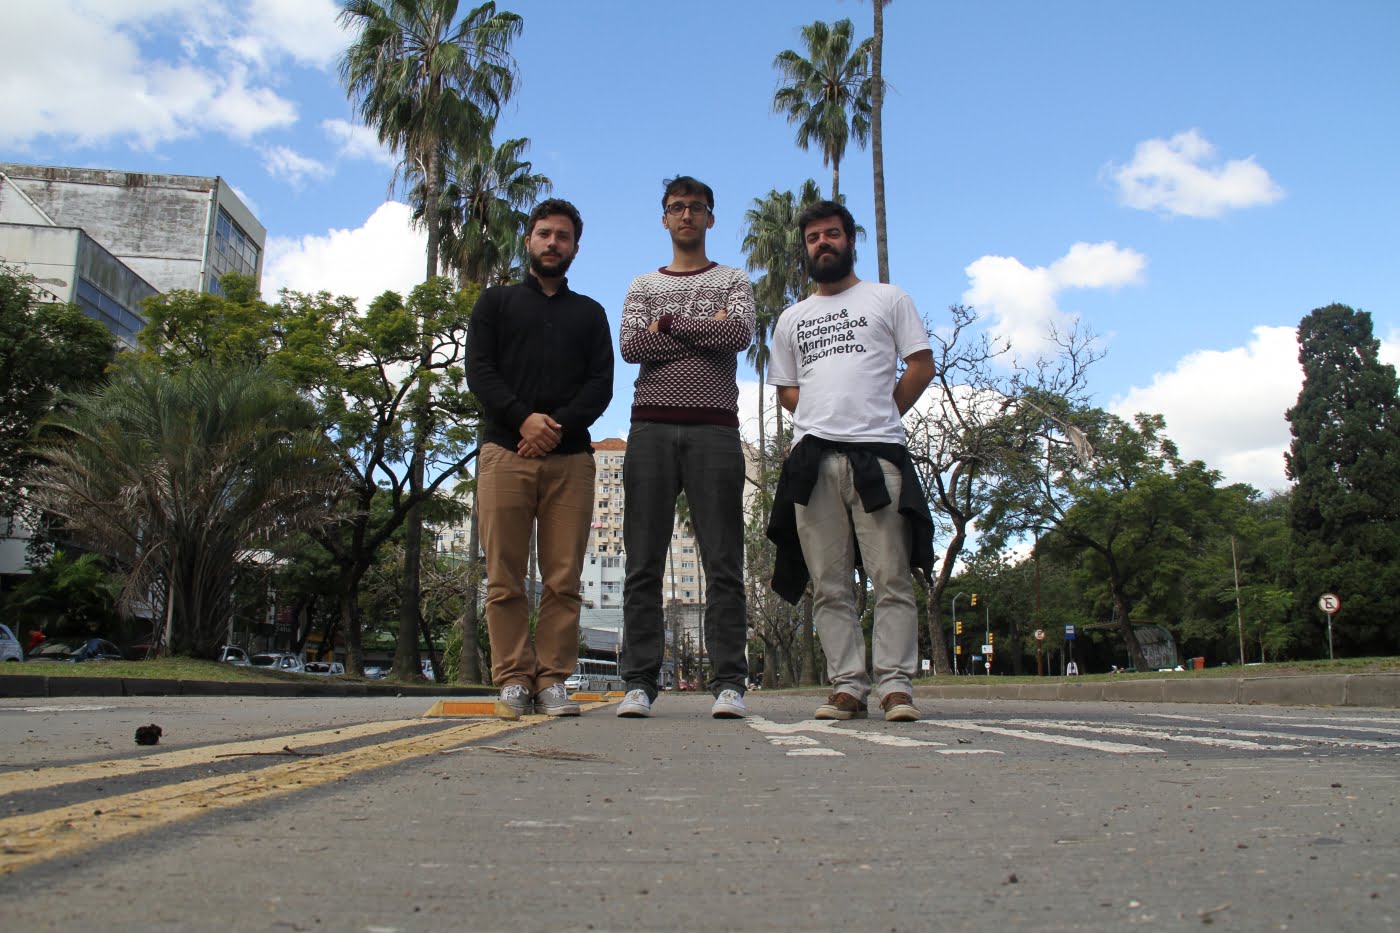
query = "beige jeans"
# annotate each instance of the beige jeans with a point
(513, 493)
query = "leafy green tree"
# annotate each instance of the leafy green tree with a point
(827, 93)
(180, 478)
(1345, 459)
(979, 435)
(45, 349)
(1130, 520)
(364, 373)
(67, 595)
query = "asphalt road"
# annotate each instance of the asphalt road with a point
(356, 814)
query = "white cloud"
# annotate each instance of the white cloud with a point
(306, 31)
(150, 71)
(358, 142)
(286, 163)
(1182, 176)
(1022, 303)
(383, 254)
(1226, 407)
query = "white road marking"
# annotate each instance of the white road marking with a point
(1149, 732)
(829, 727)
(1185, 718)
(791, 740)
(1114, 748)
(828, 752)
(55, 709)
(1319, 725)
(1385, 720)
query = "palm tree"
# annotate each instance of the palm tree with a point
(426, 82)
(485, 194)
(877, 137)
(180, 478)
(772, 246)
(828, 93)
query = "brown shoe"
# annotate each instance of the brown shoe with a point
(899, 707)
(841, 706)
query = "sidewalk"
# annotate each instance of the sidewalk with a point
(1368, 690)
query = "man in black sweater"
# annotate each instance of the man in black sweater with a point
(540, 361)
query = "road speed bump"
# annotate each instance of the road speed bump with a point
(598, 697)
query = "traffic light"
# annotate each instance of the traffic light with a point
(974, 599)
(958, 627)
(957, 649)
(991, 638)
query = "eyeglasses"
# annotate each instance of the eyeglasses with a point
(677, 208)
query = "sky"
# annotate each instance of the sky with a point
(1185, 180)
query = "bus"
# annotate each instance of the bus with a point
(594, 675)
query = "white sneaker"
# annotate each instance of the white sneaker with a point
(729, 705)
(636, 705)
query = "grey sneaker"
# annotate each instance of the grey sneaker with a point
(729, 705)
(514, 702)
(554, 701)
(636, 705)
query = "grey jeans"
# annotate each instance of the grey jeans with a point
(707, 463)
(829, 526)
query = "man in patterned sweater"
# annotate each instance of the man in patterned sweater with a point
(686, 323)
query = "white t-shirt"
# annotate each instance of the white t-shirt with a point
(841, 352)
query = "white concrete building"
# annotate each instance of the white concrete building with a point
(173, 231)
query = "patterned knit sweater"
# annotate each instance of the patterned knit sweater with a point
(689, 366)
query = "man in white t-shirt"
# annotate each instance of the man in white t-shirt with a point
(848, 481)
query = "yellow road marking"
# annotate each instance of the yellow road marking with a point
(37, 837)
(57, 775)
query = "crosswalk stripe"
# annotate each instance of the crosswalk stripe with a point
(1150, 732)
(1115, 748)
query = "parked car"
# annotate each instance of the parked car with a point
(9, 645)
(228, 654)
(376, 673)
(327, 668)
(279, 662)
(76, 649)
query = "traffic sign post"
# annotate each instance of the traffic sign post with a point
(1330, 605)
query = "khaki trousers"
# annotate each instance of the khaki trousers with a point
(513, 494)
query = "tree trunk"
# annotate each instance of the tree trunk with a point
(1125, 628)
(937, 641)
(877, 140)
(469, 666)
(406, 658)
(836, 180)
(349, 588)
(810, 674)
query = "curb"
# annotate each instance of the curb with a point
(1368, 690)
(30, 685)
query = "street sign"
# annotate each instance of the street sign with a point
(1040, 634)
(1329, 603)
(924, 664)
(986, 649)
(1069, 633)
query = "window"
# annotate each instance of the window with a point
(234, 251)
(105, 309)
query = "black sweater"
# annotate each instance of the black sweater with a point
(530, 352)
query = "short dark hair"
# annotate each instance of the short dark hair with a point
(551, 207)
(822, 210)
(685, 184)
